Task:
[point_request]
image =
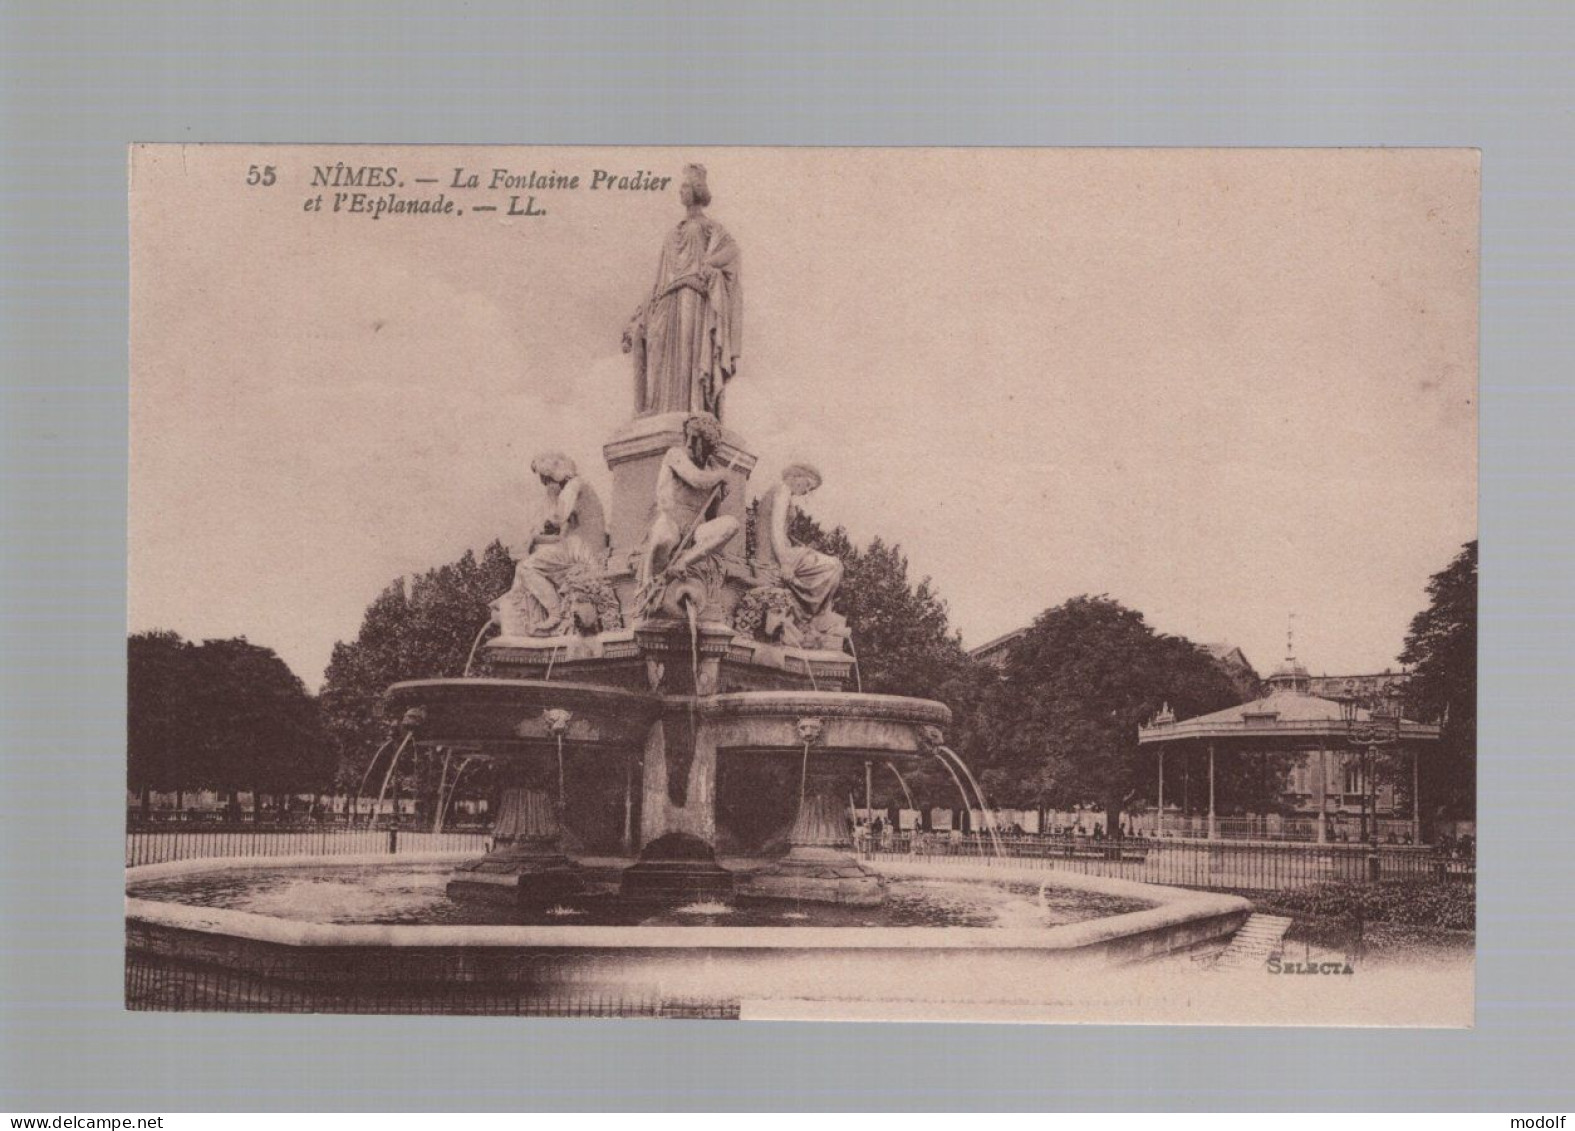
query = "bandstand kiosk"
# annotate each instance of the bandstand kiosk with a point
(1320, 735)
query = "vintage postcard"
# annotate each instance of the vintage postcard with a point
(869, 584)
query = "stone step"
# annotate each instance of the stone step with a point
(1259, 939)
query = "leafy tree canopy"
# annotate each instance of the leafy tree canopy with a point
(162, 739)
(223, 714)
(1060, 726)
(1442, 644)
(423, 630)
(904, 644)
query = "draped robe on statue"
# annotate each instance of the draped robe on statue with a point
(686, 341)
(570, 534)
(811, 576)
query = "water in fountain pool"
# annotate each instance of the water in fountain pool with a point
(415, 894)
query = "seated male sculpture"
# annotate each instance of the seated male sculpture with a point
(570, 537)
(687, 528)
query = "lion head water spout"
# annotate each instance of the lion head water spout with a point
(820, 865)
(809, 730)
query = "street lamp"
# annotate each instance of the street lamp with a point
(1380, 729)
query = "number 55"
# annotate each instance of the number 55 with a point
(263, 176)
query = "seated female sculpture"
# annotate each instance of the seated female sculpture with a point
(572, 536)
(811, 578)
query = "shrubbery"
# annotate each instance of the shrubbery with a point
(1426, 903)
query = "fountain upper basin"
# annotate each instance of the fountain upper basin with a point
(512, 713)
(848, 722)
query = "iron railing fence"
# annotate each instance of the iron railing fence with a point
(1340, 829)
(147, 847)
(373, 981)
(1237, 865)
(1222, 864)
(245, 818)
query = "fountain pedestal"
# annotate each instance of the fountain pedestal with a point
(820, 865)
(527, 863)
(677, 868)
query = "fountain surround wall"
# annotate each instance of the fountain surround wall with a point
(195, 957)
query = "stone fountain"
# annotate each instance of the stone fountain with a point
(657, 636)
(676, 692)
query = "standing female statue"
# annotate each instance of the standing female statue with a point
(685, 338)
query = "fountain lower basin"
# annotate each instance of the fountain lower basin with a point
(185, 956)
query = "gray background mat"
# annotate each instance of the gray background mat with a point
(81, 82)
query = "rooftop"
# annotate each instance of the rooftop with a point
(998, 644)
(1289, 714)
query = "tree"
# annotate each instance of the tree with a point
(258, 727)
(902, 637)
(223, 714)
(425, 630)
(1060, 726)
(161, 737)
(1442, 644)
(902, 640)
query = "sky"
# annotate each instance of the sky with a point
(1225, 387)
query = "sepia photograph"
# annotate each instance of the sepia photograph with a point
(823, 584)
